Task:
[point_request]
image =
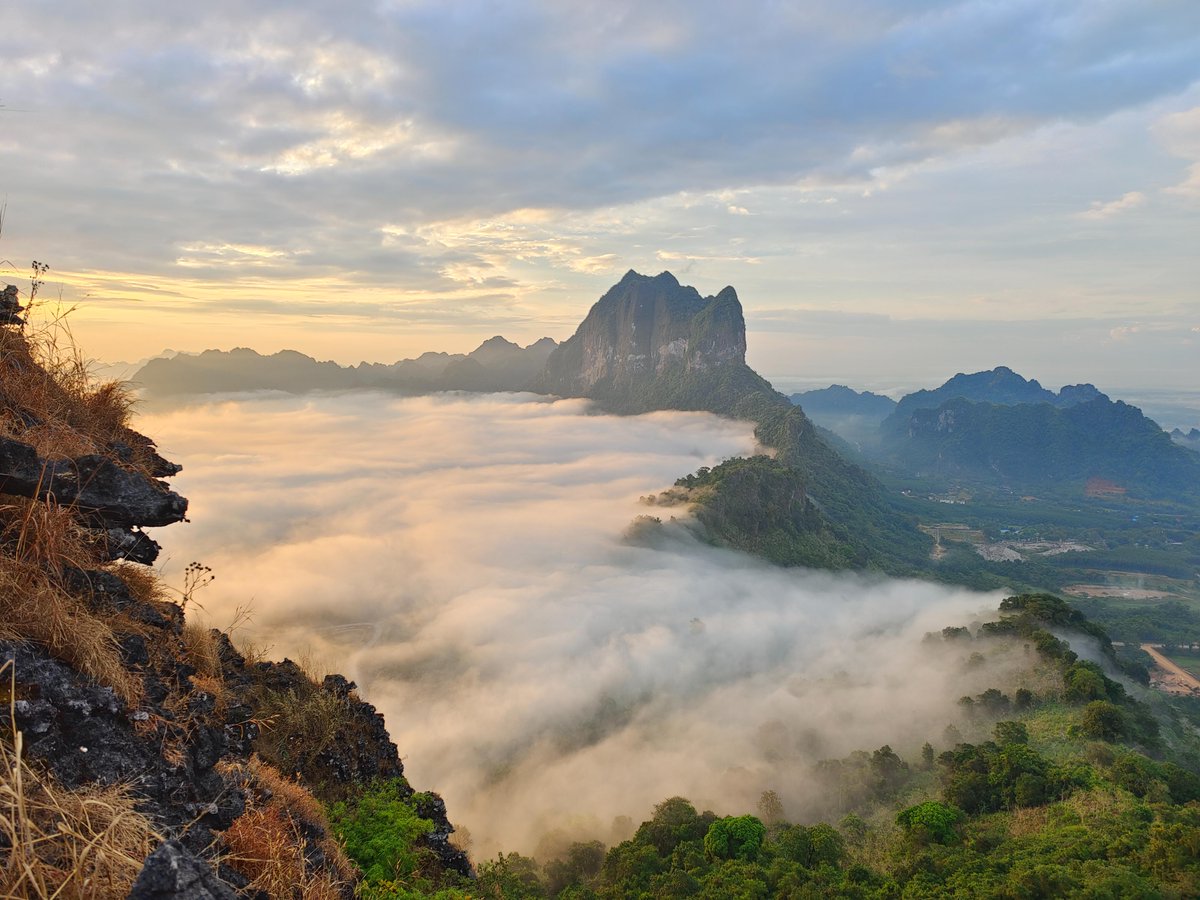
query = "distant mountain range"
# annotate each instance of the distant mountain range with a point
(838, 400)
(495, 365)
(1001, 386)
(1189, 439)
(998, 429)
(852, 415)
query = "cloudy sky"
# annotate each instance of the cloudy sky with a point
(898, 189)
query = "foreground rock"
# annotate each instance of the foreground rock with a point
(91, 484)
(172, 873)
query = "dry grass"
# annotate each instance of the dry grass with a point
(1024, 821)
(200, 650)
(303, 723)
(88, 843)
(266, 843)
(144, 585)
(34, 608)
(44, 534)
(252, 651)
(48, 399)
(48, 396)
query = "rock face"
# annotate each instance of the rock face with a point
(110, 498)
(651, 342)
(10, 306)
(91, 484)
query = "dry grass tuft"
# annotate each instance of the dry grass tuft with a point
(293, 796)
(36, 609)
(44, 534)
(49, 398)
(266, 843)
(303, 724)
(200, 650)
(253, 652)
(88, 843)
(144, 585)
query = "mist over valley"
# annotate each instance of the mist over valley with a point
(466, 559)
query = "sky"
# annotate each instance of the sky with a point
(898, 189)
(544, 658)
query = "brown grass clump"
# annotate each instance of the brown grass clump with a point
(48, 400)
(88, 843)
(48, 397)
(1024, 821)
(34, 608)
(200, 650)
(266, 843)
(44, 534)
(302, 724)
(144, 585)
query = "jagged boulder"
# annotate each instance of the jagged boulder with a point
(173, 873)
(10, 306)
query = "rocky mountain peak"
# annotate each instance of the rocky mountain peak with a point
(644, 329)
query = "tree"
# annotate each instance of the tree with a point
(509, 877)
(735, 837)
(579, 865)
(930, 822)
(1011, 733)
(770, 808)
(1102, 720)
(927, 756)
(675, 820)
(888, 770)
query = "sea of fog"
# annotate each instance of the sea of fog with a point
(470, 562)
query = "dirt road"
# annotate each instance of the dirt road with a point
(1169, 677)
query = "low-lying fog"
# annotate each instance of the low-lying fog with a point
(465, 560)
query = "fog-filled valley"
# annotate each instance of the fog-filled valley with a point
(542, 659)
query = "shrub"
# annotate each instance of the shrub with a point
(379, 831)
(302, 723)
(270, 842)
(36, 607)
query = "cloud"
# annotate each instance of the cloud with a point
(909, 153)
(1100, 210)
(1180, 134)
(465, 559)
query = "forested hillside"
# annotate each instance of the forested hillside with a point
(1062, 785)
